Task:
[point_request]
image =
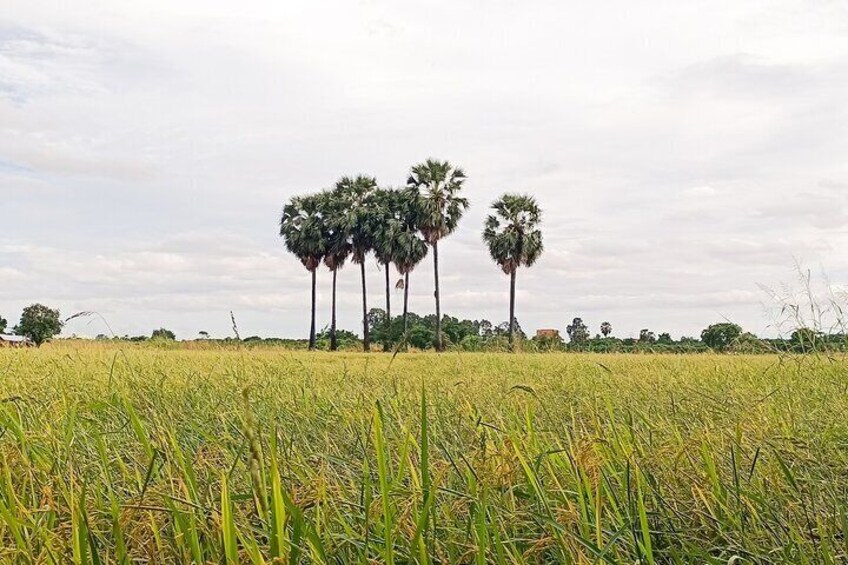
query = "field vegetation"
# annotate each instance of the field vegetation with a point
(119, 453)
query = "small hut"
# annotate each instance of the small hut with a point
(547, 334)
(7, 340)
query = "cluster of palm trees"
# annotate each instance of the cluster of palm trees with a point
(399, 226)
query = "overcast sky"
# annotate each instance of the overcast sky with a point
(685, 153)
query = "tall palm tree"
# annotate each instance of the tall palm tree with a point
(514, 239)
(439, 183)
(302, 228)
(408, 248)
(337, 246)
(386, 210)
(606, 328)
(357, 195)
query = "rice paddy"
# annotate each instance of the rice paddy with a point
(145, 455)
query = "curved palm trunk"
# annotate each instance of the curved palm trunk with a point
(312, 324)
(405, 308)
(512, 310)
(439, 344)
(333, 342)
(388, 338)
(366, 339)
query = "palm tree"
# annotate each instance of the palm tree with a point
(337, 246)
(439, 183)
(407, 247)
(606, 328)
(398, 240)
(385, 200)
(302, 228)
(514, 240)
(357, 195)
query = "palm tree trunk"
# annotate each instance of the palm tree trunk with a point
(405, 308)
(312, 325)
(333, 343)
(366, 340)
(388, 293)
(511, 309)
(439, 344)
(388, 328)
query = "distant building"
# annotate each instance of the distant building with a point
(7, 340)
(547, 334)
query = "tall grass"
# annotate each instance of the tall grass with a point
(275, 456)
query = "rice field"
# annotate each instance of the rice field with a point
(143, 455)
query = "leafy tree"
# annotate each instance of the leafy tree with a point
(502, 329)
(748, 342)
(665, 339)
(377, 318)
(163, 334)
(421, 336)
(807, 340)
(302, 229)
(360, 221)
(457, 330)
(606, 329)
(577, 332)
(471, 343)
(486, 328)
(720, 336)
(647, 336)
(39, 323)
(439, 183)
(514, 240)
(344, 339)
(3, 324)
(690, 343)
(203, 334)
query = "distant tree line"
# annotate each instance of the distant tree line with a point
(484, 335)
(40, 323)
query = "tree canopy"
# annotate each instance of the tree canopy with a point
(303, 230)
(720, 336)
(578, 331)
(442, 207)
(163, 334)
(39, 323)
(512, 234)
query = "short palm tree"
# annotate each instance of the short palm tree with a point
(514, 240)
(357, 197)
(302, 228)
(337, 246)
(439, 184)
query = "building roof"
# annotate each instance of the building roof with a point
(13, 338)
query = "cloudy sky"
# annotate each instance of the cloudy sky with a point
(685, 153)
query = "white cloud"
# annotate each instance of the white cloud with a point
(684, 152)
